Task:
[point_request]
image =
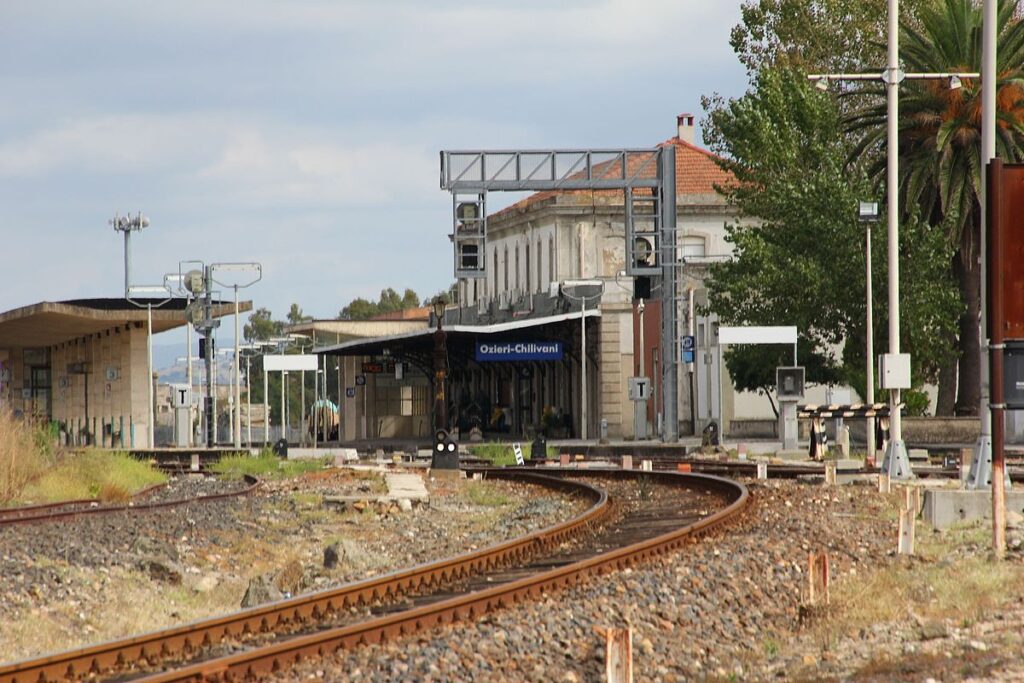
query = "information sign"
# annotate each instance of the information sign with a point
(504, 352)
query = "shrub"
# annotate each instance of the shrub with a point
(26, 453)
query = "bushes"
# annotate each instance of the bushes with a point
(26, 453)
(33, 469)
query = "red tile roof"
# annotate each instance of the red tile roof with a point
(697, 173)
(419, 313)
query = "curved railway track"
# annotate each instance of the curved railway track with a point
(51, 512)
(419, 598)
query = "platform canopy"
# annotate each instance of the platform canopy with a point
(417, 346)
(53, 322)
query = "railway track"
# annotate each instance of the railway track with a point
(51, 512)
(437, 593)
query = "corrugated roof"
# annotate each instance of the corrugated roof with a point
(697, 173)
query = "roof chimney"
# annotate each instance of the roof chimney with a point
(684, 124)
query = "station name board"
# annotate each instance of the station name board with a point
(513, 351)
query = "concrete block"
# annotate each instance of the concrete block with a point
(918, 455)
(943, 508)
(792, 454)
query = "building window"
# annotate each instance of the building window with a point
(552, 271)
(517, 267)
(692, 247)
(495, 269)
(505, 267)
(529, 288)
(540, 276)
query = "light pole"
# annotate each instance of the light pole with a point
(132, 294)
(127, 224)
(578, 290)
(896, 463)
(868, 215)
(216, 269)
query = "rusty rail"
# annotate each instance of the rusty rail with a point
(279, 655)
(183, 640)
(49, 512)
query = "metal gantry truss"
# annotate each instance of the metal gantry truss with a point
(647, 177)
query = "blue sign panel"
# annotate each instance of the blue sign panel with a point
(504, 352)
(688, 344)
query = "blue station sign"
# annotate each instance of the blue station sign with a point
(504, 352)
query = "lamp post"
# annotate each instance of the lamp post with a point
(577, 290)
(868, 215)
(131, 294)
(216, 270)
(896, 463)
(128, 224)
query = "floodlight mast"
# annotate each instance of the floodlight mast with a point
(127, 224)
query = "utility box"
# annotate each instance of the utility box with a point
(894, 370)
(1013, 375)
(789, 383)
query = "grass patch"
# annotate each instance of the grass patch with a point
(26, 453)
(951, 577)
(266, 465)
(485, 494)
(501, 454)
(109, 476)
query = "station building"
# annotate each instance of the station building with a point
(83, 364)
(532, 247)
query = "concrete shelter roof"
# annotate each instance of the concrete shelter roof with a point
(53, 322)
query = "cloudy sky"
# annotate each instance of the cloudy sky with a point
(305, 134)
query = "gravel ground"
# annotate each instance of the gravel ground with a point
(729, 608)
(97, 577)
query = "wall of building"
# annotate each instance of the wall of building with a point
(90, 407)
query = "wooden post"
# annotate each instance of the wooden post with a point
(618, 654)
(818, 578)
(905, 546)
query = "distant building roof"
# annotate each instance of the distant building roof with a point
(697, 173)
(419, 313)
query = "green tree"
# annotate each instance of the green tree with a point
(939, 144)
(390, 301)
(799, 249)
(296, 316)
(262, 326)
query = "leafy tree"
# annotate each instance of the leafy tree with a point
(939, 143)
(296, 316)
(800, 258)
(390, 301)
(262, 326)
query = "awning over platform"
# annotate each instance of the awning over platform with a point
(460, 338)
(53, 322)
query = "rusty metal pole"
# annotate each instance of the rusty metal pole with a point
(995, 228)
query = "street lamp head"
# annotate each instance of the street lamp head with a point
(867, 212)
(439, 304)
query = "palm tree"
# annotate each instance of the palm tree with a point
(940, 143)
